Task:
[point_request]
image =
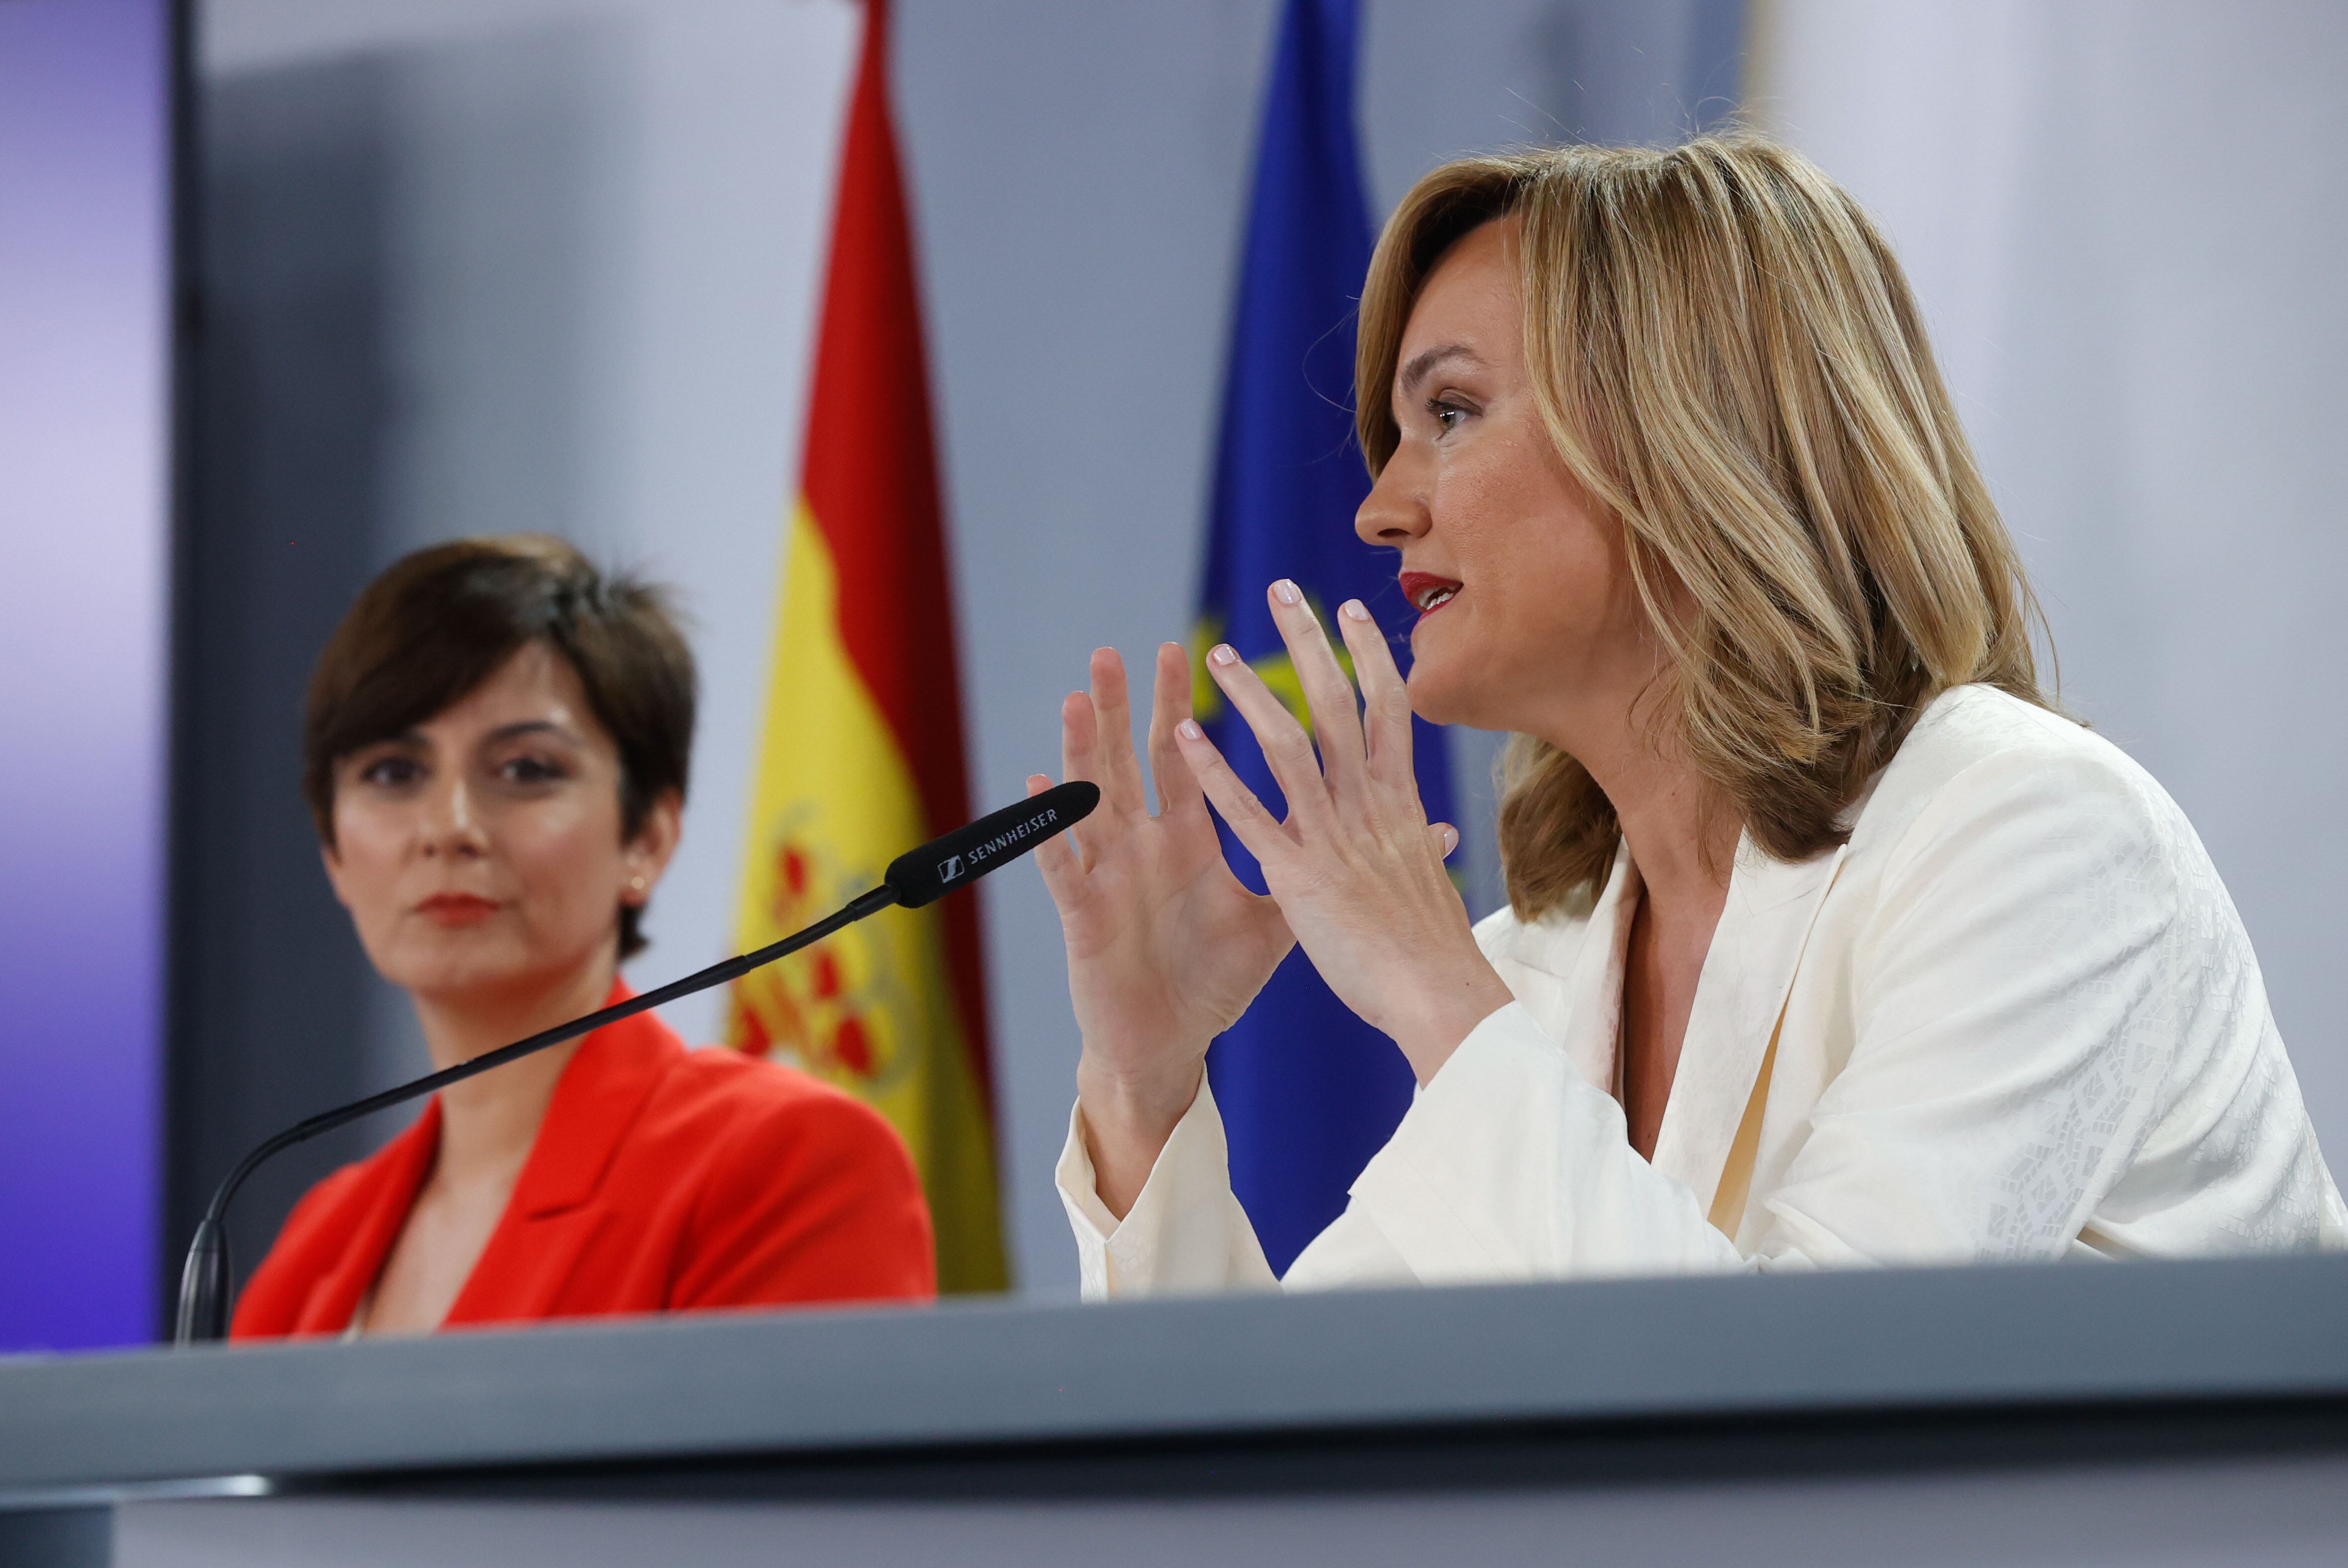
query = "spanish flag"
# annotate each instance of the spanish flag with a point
(862, 755)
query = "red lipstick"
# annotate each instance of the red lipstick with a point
(1426, 592)
(456, 910)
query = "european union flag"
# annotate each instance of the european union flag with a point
(1308, 1091)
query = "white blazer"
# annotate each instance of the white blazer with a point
(2014, 1017)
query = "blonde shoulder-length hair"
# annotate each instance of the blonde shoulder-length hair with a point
(1727, 357)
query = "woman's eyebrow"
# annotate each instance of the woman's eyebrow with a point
(1421, 364)
(529, 727)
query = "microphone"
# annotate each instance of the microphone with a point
(917, 877)
(927, 875)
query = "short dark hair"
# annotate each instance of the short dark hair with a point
(438, 623)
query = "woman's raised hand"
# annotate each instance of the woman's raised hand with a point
(1166, 946)
(1357, 869)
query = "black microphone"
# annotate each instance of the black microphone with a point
(915, 878)
(927, 875)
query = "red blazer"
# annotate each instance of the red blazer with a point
(663, 1180)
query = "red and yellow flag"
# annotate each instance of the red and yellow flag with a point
(861, 756)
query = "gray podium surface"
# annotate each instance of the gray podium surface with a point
(2139, 1408)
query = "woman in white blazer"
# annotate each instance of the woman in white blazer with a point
(1830, 942)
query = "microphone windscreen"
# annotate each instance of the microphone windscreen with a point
(927, 875)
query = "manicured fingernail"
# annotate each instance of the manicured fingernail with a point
(1189, 729)
(1224, 653)
(1450, 838)
(1354, 610)
(1287, 593)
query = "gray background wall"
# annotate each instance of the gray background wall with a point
(491, 264)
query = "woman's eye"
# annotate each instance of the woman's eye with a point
(391, 772)
(1447, 415)
(529, 770)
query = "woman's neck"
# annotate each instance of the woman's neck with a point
(488, 1123)
(1682, 838)
(1681, 834)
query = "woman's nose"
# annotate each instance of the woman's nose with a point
(450, 827)
(1394, 511)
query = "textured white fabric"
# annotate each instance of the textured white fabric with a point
(2016, 1018)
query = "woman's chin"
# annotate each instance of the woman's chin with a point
(452, 977)
(1438, 694)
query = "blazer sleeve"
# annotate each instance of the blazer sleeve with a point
(1509, 1166)
(1186, 1232)
(2048, 945)
(810, 1200)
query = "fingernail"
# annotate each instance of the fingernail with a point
(1287, 593)
(1450, 839)
(1224, 653)
(1189, 729)
(1353, 609)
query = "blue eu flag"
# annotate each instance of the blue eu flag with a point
(1308, 1091)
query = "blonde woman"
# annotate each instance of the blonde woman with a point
(1830, 939)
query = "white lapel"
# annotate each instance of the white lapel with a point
(1747, 973)
(1592, 1026)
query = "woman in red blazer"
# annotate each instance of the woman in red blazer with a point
(495, 748)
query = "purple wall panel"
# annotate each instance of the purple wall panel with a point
(85, 541)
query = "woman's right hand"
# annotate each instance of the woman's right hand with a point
(1166, 946)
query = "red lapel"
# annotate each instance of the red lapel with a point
(372, 1219)
(552, 1214)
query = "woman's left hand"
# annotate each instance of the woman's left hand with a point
(1357, 868)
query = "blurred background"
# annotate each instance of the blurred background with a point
(463, 266)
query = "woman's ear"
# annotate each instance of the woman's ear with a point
(647, 854)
